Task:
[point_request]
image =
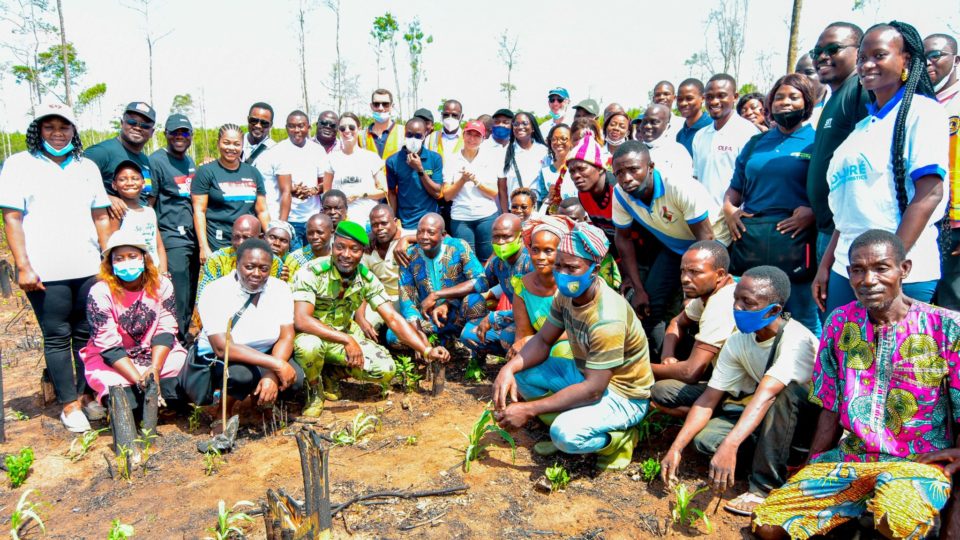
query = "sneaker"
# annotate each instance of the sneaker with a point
(75, 421)
(744, 504)
(94, 410)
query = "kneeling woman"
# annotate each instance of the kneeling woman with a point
(259, 309)
(132, 324)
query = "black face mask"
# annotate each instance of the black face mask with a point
(789, 119)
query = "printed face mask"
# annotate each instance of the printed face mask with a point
(574, 286)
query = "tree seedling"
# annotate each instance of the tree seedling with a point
(473, 372)
(228, 521)
(408, 373)
(145, 441)
(685, 514)
(24, 513)
(558, 477)
(481, 427)
(212, 461)
(652, 425)
(119, 531)
(18, 466)
(649, 469)
(16, 416)
(356, 430)
(411, 440)
(193, 421)
(123, 458)
(81, 444)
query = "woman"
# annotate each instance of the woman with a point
(259, 309)
(357, 172)
(523, 158)
(132, 326)
(472, 190)
(766, 206)
(616, 129)
(224, 190)
(55, 217)
(751, 108)
(888, 174)
(553, 184)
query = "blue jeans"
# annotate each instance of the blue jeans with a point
(582, 430)
(478, 233)
(802, 307)
(300, 236)
(823, 241)
(839, 292)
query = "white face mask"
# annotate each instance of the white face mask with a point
(939, 86)
(413, 145)
(451, 124)
(616, 142)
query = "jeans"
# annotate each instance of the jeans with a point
(478, 233)
(662, 284)
(948, 291)
(582, 430)
(672, 393)
(839, 292)
(823, 241)
(299, 237)
(802, 307)
(183, 263)
(61, 312)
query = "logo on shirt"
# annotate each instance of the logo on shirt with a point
(828, 124)
(724, 148)
(851, 172)
(666, 214)
(183, 184)
(350, 180)
(243, 190)
(800, 155)
(954, 125)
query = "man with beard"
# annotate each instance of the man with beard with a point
(327, 124)
(670, 156)
(257, 140)
(136, 128)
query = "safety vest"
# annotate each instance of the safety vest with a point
(436, 140)
(393, 145)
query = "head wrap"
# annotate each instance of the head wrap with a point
(283, 225)
(353, 231)
(585, 241)
(588, 150)
(556, 224)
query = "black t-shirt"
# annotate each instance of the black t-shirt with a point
(840, 115)
(172, 178)
(231, 195)
(111, 153)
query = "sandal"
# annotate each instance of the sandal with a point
(744, 504)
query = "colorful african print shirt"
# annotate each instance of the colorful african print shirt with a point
(297, 259)
(889, 384)
(500, 272)
(335, 300)
(455, 264)
(223, 261)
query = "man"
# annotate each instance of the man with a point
(326, 136)
(487, 122)
(136, 129)
(558, 101)
(594, 402)
(427, 117)
(609, 271)
(414, 178)
(384, 136)
(442, 271)
(257, 140)
(448, 141)
(709, 312)
(293, 174)
(223, 261)
(665, 94)
(942, 60)
(594, 184)
(690, 105)
(326, 294)
(173, 172)
(669, 155)
(381, 260)
(760, 388)
(500, 129)
(334, 204)
(319, 232)
(821, 91)
(613, 108)
(885, 373)
(716, 147)
(678, 211)
(495, 330)
(835, 57)
(587, 108)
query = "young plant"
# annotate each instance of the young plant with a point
(683, 513)
(481, 427)
(408, 373)
(18, 466)
(146, 444)
(411, 440)
(24, 513)
(122, 459)
(81, 444)
(228, 521)
(193, 421)
(652, 425)
(356, 430)
(119, 531)
(474, 372)
(16, 416)
(558, 477)
(649, 469)
(212, 461)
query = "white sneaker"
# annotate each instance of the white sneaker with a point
(94, 410)
(75, 421)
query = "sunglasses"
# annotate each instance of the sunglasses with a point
(258, 122)
(348, 128)
(327, 124)
(380, 104)
(185, 133)
(933, 56)
(830, 50)
(555, 99)
(136, 123)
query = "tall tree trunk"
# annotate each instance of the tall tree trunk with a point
(340, 83)
(150, 59)
(794, 32)
(396, 80)
(303, 62)
(63, 52)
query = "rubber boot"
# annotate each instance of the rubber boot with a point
(314, 405)
(617, 454)
(545, 448)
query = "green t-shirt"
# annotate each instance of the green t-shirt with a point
(111, 153)
(231, 194)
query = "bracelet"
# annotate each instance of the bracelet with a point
(426, 352)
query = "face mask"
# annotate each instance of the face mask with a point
(451, 124)
(574, 286)
(128, 270)
(250, 291)
(58, 153)
(413, 145)
(616, 142)
(789, 119)
(556, 115)
(939, 86)
(505, 251)
(381, 117)
(501, 133)
(751, 321)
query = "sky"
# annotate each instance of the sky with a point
(231, 53)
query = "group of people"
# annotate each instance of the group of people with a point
(764, 269)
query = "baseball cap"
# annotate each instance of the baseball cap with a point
(590, 106)
(559, 91)
(51, 108)
(128, 163)
(140, 107)
(504, 112)
(474, 125)
(425, 114)
(177, 121)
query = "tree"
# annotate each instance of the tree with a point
(182, 104)
(50, 71)
(28, 21)
(304, 7)
(794, 32)
(415, 39)
(385, 28)
(509, 54)
(143, 7)
(338, 73)
(729, 21)
(91, 96)
(63, 53)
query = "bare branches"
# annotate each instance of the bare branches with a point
(143, 7)
(509, 53)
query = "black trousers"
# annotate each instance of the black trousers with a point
(183, 263)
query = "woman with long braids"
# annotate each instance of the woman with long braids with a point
(523, 158)
(888, 174)
(55, 216)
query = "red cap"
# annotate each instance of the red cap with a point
(475, 125)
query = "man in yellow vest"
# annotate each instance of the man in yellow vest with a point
(383, 136)
(448, 141)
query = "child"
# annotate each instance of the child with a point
(128, 183)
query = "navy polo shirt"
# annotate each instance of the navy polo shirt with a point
(413, 201)
(773, 177)
(686, 133)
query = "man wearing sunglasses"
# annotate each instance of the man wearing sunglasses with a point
(558, 100)
(384, 136)
(327, 130)
(136, 128)
(173, 171)
(257, 141)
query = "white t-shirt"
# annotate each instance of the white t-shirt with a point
(305, 164)
(715, 153)
(715, 318)
(248, 148)
(529, 162)
(470, 203)
(670, 156)
(60, 237)
(144, 222)
(355, 174)
(674, 127)
(742, 360)
(860, 176)
(258, 327)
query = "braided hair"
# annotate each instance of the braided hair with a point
(228, 127)
(35, 140)
(535, 136)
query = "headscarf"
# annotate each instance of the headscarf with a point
(282, 225)
(556, 224)
(585, 241)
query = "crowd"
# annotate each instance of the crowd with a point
(764, 267)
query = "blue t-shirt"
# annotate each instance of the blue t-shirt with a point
(413, 201)
(686, 133)
(774, 178)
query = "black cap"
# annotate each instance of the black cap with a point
(504, 112)
(143, 108)
(128, 163)
(425, 114)
(177, 121)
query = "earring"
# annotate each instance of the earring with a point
(905, 74)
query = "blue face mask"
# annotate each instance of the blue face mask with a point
(128, 270)
(381, 117)
(574, 286)
(58, 153)
(749, 322)
(501, 133)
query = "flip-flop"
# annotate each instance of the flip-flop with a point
(744, 504)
